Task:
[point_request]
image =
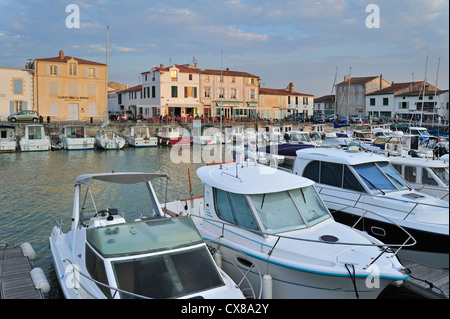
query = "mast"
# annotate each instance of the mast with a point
(424, 89)
(107, 66)
(348, 94)
(435, 104)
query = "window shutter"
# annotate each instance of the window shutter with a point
(11, 107)
(47, 69)
(25, 105)
(96, 73)
(86, 72)
(58, 70)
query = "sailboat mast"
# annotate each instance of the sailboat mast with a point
(107, 66)
(424, 89)
(435, 104)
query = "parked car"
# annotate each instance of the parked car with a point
(300, 117)
(342, 119)
(354, 119)
(26, 115)
(330, 118)
(318, 119)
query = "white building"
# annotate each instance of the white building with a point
(16, 91)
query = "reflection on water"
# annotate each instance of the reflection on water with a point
(36, 188)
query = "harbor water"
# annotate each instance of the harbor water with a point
(36, 189)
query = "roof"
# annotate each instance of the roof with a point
(359, 80)
(251, 178)
(185, 69)
(131, 89)
(325, 99)
(339, 156)
(420, 93)
(65, 59)
(119, 178)
(418, 161)
(280, 92)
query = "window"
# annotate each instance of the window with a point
(207, 92)
(34, 132)
(174, 91)
(206, 78)
(221, 93)
(234, 209)
(373, 177)
(96, 269)
(174, 75)
(190, 92)
(233, 94)
(252, 94)
(73, 70)
(331, 174)
(403, 105)
(372, 101)
(91, 73)
(18, 86)
(385, 101)
(153, 91)
(53, 70)
(190, 77)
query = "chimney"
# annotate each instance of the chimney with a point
(290, 87)
(61, 54)
(381, 81)
(196, 65)
(345, 78)
(161, 65)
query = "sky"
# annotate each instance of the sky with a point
(307, 42)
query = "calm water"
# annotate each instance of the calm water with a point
(36, 188)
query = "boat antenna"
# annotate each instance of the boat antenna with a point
(165, 200)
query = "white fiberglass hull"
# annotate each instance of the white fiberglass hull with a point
(143, 142)
(115, 143)
(72, 144)
(35, 145)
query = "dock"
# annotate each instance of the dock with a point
(429, 282)
(15, 277)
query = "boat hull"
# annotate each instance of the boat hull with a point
(171, 141)
(75, 144)
(143, 142)
(35, 145)
(431, 248)
(110, 144)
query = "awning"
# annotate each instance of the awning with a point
(227, 103)
(252, 104)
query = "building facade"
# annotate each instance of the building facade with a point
(16, 91)
(280, 103)
(351, 94)
(70, 89)
(325, 105)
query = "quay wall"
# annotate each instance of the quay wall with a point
(54, 129)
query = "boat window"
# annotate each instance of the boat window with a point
(310, 205)
(312, 171)
(331, 174)
(373, 177)
(34, 132)
(393, 175)
(96, 269)
(234, 209)
(410, 173)
(277, 212)
(442, 173)
(350, 181)
(428, 178)
(169, 275)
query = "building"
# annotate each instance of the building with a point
(69, 88)
(281, 103)
(325, 105)
(404, 102)
(183, 90)
(129, 99)
(351, 94)
(16, 91)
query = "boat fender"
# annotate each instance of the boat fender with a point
(28, 251)
(39, 280)
(218, 259)
(267, 287)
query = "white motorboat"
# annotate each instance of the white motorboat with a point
(139, 136)
(104, 255)
(359, 187)
(34, 139)
(204, 134)
(109, 140)
(8, 142)
(425, 175)
(172, 135)
(74, 137)
(287, 235)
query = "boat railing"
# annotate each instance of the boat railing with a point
(76, 277)
(385, 248)
(361, 200)
(253, 265)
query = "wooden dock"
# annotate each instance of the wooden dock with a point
(15, 278)
(427, 281)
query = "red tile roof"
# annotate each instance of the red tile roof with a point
(280, 92)
(359, 80)
(132, 89)
(65, 59)
(226, 72)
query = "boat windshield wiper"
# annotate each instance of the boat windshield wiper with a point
(262, 202)
(372, 184)
(303, 194)
(395, 179)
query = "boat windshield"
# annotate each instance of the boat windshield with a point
(372, 175)
(289, 210)
(169, 275)
(296, 137)
(442, 173)
(143, 237)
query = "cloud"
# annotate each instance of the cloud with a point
(234, 32)
(124, 49)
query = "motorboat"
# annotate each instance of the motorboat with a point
(74, 137)
(139, 136)
(360, 188)
(132, 251)
(8, 142)
(429, 176)
(109, 140)
(205, 134)
(234, 134)
(172, 135)
(34, 139)
(274, 226)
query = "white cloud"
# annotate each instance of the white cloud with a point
(234, 32)
(124, 49)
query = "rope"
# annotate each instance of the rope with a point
(427, 282)
(353, 279)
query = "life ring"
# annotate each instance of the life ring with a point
(80, 133)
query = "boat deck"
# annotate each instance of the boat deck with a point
(15, 278)
(427, 281)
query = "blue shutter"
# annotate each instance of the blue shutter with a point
(25, 105)
(11, 107)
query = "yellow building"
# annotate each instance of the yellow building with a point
(70, 89)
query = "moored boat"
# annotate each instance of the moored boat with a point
(8, 142)
(74, 137)
(34, 139)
